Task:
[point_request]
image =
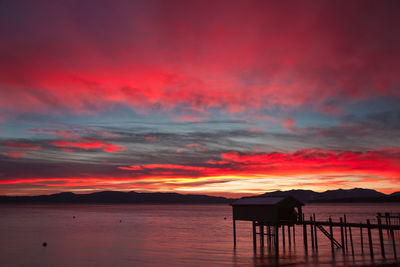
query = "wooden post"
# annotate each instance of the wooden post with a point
(254, 235)
(289, 237)
(283, 236)
(305, 236)
(300, 214)
(269, 235)
(315, 233)
(234, 232)
(341, 234)
(312, 233)
(294, 234)
(345, 231)
(371, 249)
(394, 244)
(276, 240)
(381, 236)
(387, 222)
(398, 219)
(261, 235)
(331, 232)
(362, 240)
(351, 241)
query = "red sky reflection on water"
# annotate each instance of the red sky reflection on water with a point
(225, 98)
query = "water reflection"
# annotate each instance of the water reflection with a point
(160, 235)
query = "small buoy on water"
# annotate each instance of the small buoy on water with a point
(44, 244)
(120, 221)
(224, 218)
(73, 217)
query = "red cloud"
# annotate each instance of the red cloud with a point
(326, 168)
(131, 168)
(384, 163)
(56, 132)
(15, 154)
(163, 166)
(284, 56)
(197, 147)
(89, 144)
(22, 145)
(289, 124)
(21, 148)
(112, 148)
(193, 145)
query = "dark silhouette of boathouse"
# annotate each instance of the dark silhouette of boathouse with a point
(271, 213)
(267, 211)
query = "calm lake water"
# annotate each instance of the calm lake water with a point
(166, 235)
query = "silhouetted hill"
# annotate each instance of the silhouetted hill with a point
(302, 195)
(395, 193)
(339, 195)
(306, 196)
(115, 197)
(350, 193)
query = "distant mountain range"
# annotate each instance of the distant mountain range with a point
(115, 197)
(339, 195)
(306, 196)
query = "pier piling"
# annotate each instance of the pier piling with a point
(331, 232)
(394, 244)
(269, 235)
(345, 231)
(234, 232)
(312, 233)
(371, 249)
(276, 240)
(315, 233)
(381, 235)
(261, 235)
(305, 236)
(342, 234)
(294, 234)
(351, 241)
(254, 235)
(362, 240)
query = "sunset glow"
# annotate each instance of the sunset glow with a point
(226, 98)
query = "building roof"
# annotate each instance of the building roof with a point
(258, 201)
(267, 201)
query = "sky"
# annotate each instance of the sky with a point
(225, 98)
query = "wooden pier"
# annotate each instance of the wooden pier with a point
(386, 228)
(346, 230)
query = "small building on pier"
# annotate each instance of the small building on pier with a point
(268, 210)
